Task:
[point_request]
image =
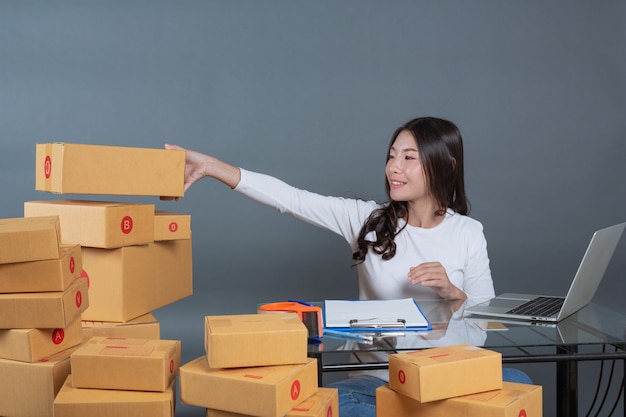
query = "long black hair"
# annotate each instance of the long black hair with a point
(440, 147)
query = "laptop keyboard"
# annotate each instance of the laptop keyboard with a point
(540, 306)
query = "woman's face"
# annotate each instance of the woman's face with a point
(404, 170)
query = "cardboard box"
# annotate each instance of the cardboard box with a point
(174, 270)
(31, 345)
(427, 375)
(126, 364)
(324, 403)
(131, 281)
(42, 276)
(44, 310)
(249, 340)
(29, 239)
(77, 402)
(142, 327)
(98, 224)
(170, 226)
(512, 400)
(269, 391)
(28, 389)
(68, 168)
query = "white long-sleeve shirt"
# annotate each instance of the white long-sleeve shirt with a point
(458, 242)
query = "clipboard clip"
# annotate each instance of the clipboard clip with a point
(370, 324)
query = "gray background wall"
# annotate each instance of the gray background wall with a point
(311, 92)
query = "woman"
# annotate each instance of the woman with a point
(419, 244)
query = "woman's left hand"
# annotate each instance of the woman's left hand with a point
(434, 275)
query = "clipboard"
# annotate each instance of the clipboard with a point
(375, 315)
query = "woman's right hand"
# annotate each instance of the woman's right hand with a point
(195, 165)
(199, 165)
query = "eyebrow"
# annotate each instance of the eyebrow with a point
(405, 149)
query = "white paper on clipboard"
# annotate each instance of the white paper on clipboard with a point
(381, 315)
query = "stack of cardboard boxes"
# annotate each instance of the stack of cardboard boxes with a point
(135, 258)
(131, 269)
(41, 301)
(129, 258)
(256, 365)
(456, 380)
(121, 376)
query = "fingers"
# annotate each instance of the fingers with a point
(428, 274)
(174, 147)
(434, 275)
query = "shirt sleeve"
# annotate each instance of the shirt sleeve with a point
(478, 283)
(343, 216)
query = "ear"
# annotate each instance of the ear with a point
(453, 160)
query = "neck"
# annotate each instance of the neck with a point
(424, 216)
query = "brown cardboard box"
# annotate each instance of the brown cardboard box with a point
(142, 327)
(269, 391)
(28, 389)
(426, 375)
(131, 281)
(29, 239)
(122, 282)
(513, 400)
(31, 345)
(98, 224)
(248, 340)
(126, 364)
(42, 276)
(44, 310)
(324, 403)
(77, 402)
(174, 270)
(68, 168)
(169, 225)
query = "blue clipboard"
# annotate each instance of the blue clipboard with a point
(374, 315)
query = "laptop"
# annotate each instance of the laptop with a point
(528, 307)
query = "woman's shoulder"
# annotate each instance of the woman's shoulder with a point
(464, 222)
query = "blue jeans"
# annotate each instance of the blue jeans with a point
(357, 396)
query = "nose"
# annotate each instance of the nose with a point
(394, 165)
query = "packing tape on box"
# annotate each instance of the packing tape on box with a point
(311, 315)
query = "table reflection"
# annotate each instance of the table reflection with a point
(448, 328)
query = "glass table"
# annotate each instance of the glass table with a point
(593, 333)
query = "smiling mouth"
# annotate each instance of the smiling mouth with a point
(396, 183)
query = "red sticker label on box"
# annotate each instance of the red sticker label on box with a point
(127, 225)
(72, 264)
(295, 390)
(47, 166)
(173, 227)
(84, 275)
(57, 336)
(79, 298)
(329, 412)
(401, 376)
(522, 413)
(171, 366)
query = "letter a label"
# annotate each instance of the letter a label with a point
(295, 390)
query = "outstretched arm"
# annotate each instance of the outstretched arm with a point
(198, 166)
